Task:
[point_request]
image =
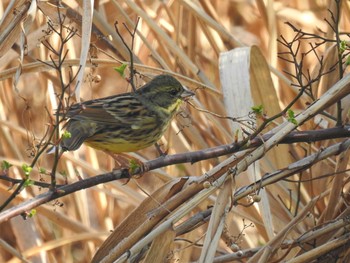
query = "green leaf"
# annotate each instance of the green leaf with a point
(28, 182)
(290, 113)
(343, 46)
(121, 69)
(5, 165)
(291, 117)
(26, 169)
(133, 166)
(66, 135)
(42, 170)
(258, 110)
(32, 213)
(347, 61)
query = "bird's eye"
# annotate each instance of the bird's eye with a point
(173, 92)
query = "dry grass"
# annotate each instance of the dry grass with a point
(241, 217)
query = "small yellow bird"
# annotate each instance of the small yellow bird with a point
(127, 122)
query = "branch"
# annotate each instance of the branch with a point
(293, 137)
(62, 191)
(191, 157)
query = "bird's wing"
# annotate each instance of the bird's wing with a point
(120, 110)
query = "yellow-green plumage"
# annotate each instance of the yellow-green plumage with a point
(127, 122)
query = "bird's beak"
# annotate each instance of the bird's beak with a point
(187, 93)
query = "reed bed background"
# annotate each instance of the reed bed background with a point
(277, 202)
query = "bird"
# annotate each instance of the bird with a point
(127, 122)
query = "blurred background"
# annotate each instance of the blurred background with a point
(184, 38)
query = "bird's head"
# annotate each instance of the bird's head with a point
(165, 91)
